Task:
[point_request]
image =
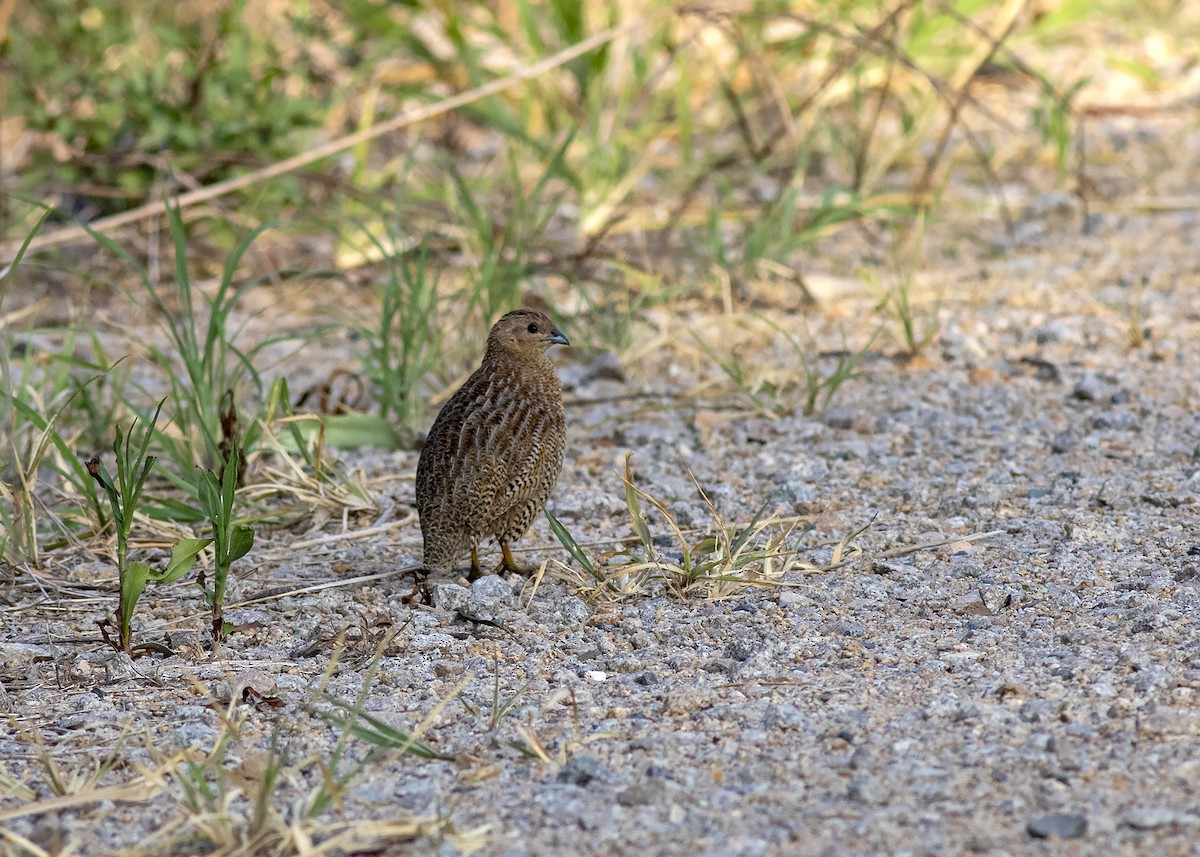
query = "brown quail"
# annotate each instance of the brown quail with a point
(495, 450)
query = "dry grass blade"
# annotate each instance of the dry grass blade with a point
(139, 789)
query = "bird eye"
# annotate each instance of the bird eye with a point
(532, 328)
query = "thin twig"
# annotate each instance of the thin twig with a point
(321, 587)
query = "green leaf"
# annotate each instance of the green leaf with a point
(343, 431)
(111, 490)
(133, 584)
(568, 542)
(208, 493)
(183, 557)
(170, 509)
(240, 542)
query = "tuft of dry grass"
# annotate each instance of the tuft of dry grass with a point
(716, 562)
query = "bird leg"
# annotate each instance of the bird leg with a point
(509, 563)
(476, 571)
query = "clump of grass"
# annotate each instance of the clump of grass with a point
(403, 345)
(295, 467)
(803, 381)
(818, 386)
(210, 88)
(912, 323)
(715, 562)
(228, 800)
(231, 541)
(203, 344)
(34, 410)
(124, 496)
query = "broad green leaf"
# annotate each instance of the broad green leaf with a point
(240, 542)
(183, 557)
(133, 584)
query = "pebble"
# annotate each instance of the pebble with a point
(580, 771)
(489, 595)
(450, 596)
(1088, 388)
(1149, 818)
(1063, 825)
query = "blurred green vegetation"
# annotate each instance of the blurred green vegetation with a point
(125, 91)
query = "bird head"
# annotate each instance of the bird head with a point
(527, 332)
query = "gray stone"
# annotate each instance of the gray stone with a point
(1149, 818)
(16, 655)
(580, 771)
(1064, 825)
(119, 667)
(641, 794)
(1088, 388)
(450, 596)
(575, 611)
(489, 594)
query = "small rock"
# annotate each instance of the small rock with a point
(806, 468)
(432, 642)
(1188, 574)
(1064, 825)
(1149, 818)
(642, 794)
(893, 566)
(841, 418)
(680, 662)
(119, 668)
(721, 665)
(16, 655)
(1113, 420)
(488, 595)
(794, 598)
(606, 366)
(858, 790)
(1088, 388)
(972, 604)
(580, 771)
(574, 610)
(1062, 442)
(741, 650)
(794, 493)
(1053, 331)
(259, 682)
(646, 678)
(450, 596)
(784, 716)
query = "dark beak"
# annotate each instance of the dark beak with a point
(556, 337)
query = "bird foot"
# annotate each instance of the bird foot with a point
(508, 563)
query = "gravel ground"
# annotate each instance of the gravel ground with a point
(1033, 691)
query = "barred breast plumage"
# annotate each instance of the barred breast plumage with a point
(496, 449)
